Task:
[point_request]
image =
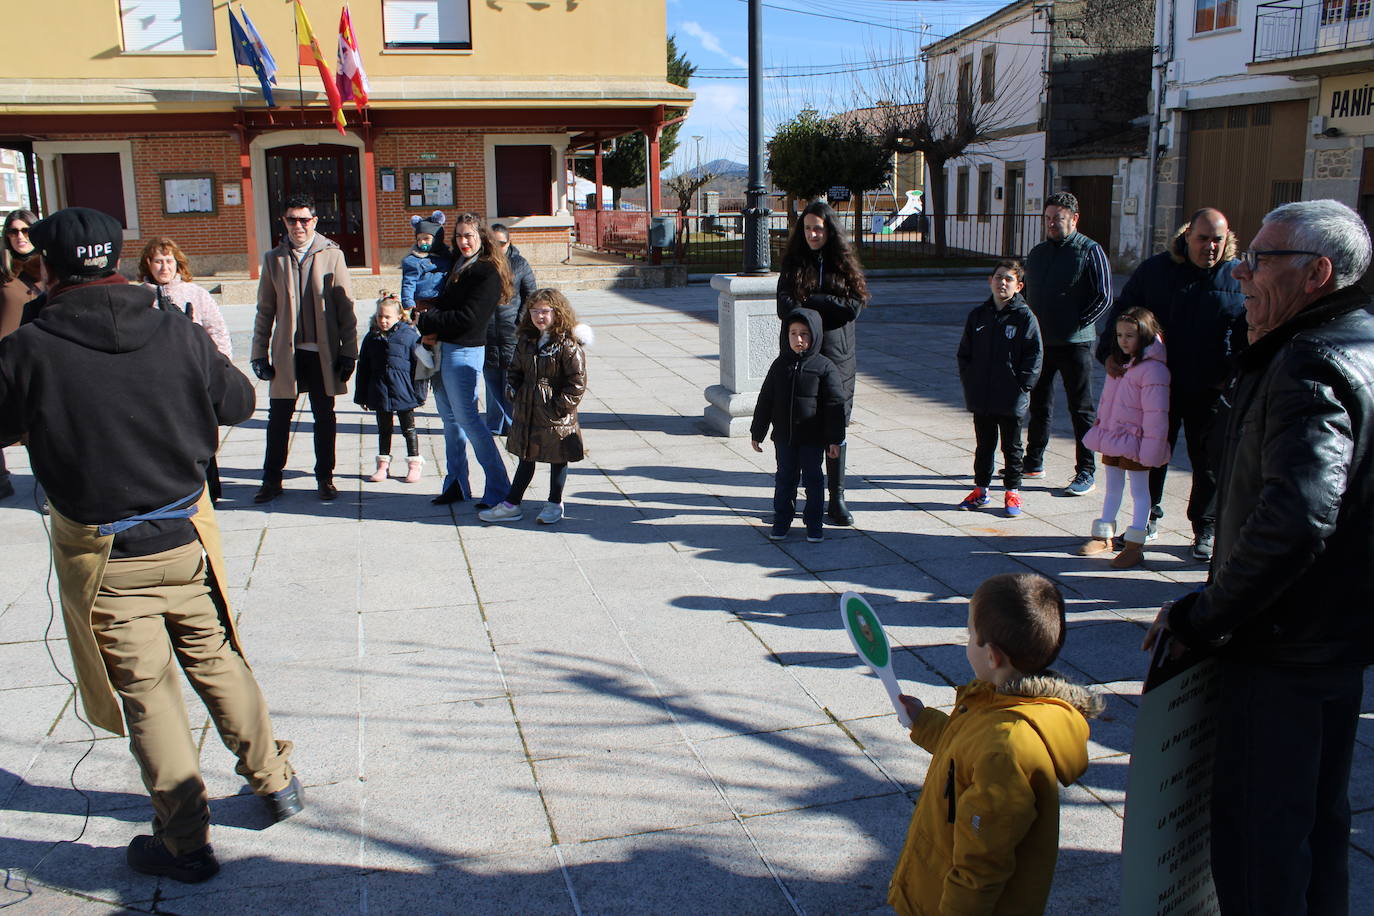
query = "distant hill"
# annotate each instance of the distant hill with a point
(722, 168)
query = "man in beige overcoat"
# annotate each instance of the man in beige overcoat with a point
(121, 404)
(305, 339)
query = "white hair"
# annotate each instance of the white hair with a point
(1329, 228)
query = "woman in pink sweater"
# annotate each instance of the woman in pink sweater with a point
(1131, 432)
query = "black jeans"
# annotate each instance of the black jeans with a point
(1196, 414)
(987, 429)
(385, 427)
(280, 412)
(524, 474)
(1280, 810)
(1075, 361)
(798, 463)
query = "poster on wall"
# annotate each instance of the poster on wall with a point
(188, 194)
(435, 187)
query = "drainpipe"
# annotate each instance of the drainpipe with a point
(1164, 55)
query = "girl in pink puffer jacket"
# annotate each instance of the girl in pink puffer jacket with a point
(1131, 432)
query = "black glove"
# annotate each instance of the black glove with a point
(344, 367)
(263, 369)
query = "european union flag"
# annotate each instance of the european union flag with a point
(246, 55)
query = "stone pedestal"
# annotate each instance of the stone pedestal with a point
(748, 345)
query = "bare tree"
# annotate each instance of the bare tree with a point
(686, 185)
(938, 106)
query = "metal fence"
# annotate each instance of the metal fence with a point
(1292, 28)
(715, 242)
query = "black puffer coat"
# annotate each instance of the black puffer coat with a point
(837, 310)
(501, 328)
(802, 397)
(386, 370)
(1201, 314)
(999, 358)
(1291, 582)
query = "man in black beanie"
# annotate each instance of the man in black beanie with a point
(121, 404)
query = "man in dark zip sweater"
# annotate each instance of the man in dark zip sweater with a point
(1068, 287)
(121, 404)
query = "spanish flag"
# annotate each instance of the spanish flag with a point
(310, 54)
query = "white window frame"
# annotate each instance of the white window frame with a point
(391, 44)
(127, 9)
(558, 144)
(49, 153)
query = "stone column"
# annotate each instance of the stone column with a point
(748, 317)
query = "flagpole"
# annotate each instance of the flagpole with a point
(300, 86)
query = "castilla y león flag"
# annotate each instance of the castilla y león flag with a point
(310, 54)
(350, 74)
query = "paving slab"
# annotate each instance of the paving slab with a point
(646, 708)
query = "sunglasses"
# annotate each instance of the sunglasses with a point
(16, 230)
(299, 220)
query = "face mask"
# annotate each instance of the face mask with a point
(422, 246)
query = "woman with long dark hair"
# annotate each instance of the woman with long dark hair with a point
(479, 281)
(21, 281)
(821, 272)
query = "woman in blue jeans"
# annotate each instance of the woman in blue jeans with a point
(457, 320)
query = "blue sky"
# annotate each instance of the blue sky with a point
(808, 39)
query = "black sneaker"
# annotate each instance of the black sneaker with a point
(1202, 546)
(286, 802)
(147, 855)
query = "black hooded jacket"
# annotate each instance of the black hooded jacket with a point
(838, 310)
(999, 358)
(802, 396)
(121, 403)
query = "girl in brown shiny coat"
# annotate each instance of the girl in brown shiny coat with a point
(547, 380)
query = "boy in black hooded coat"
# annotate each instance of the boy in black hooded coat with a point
(803, 399)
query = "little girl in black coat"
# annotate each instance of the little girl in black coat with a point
(386, 384)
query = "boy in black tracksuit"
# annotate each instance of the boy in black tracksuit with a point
(999, 361)
(803, 400)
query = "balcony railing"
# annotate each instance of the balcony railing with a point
(1295, 28)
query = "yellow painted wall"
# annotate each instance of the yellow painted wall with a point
(81, 39)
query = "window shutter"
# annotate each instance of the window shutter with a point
(168, 25)
(427, 23)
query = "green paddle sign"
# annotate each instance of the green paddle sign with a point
(866, 633)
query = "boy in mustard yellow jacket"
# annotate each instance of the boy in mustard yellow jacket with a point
(985, 834)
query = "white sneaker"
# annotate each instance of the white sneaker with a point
(551, 514)
(501, 512)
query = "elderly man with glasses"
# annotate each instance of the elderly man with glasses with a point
(305, 339)
(1288, 608)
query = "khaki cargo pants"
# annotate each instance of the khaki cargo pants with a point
(152, 614)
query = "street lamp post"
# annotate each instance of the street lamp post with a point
(700, 193)
(756, 212)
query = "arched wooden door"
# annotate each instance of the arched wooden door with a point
(328, 174)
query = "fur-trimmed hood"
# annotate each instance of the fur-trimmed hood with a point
(1178, 246)
(1050, 683)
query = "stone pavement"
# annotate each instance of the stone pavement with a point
(649, 708)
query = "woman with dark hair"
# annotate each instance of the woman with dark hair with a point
(479, 281)
(21, 281)
(20, 277)
(821, 272)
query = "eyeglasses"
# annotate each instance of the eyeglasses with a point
(17, 230)
(1252, 258)
(299, 220)
(542, 313)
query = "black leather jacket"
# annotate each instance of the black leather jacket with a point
(1292, 579)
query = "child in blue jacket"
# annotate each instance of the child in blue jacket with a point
(386, 384)
(999, 361)
(424, 269)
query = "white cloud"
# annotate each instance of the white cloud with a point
(711, 43)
